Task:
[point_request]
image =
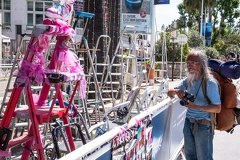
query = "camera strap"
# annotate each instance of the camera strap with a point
(199, 87)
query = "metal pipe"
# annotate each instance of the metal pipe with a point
(201, 18)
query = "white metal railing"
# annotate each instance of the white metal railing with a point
(5, 69)
(168, 72)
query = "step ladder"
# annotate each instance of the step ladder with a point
(91, 72)
(129, 70)
(104, 72)
(37, 111)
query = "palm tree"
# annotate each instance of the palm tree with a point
(196, 6)
(193, 6)
(210, 4)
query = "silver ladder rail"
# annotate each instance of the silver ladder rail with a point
(105, 64)
(96, 83)
(11, 74)
(122, 56)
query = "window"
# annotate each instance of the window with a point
(30, 6)
(6, 4)
(5, 7)
(30, 19)
(36, 11)
(7, 18)
(38, 6)
(39, 18)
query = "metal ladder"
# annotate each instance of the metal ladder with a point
(15, 66)
(124, 60)
(84, 49)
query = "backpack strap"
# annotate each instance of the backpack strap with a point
(212, 115)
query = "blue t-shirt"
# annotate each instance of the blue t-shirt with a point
(196, 90)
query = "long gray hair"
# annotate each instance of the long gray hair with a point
(203, 60)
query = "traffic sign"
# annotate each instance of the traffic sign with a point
(182, 39)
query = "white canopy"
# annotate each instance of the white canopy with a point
(5, 39)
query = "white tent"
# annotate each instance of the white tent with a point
(5, 39)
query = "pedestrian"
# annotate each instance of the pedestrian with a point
(222, 58)
(231, 56)
(198, 132)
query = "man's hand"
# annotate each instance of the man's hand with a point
(180, 93)
(190, 105)
(173, 92)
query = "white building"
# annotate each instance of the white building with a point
(20, 16)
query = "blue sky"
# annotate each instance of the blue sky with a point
(166, 13)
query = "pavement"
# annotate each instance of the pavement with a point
(225, 145)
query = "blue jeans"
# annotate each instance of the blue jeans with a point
(198, 146)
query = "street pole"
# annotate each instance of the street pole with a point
(201, 19)
(182, 39)
(153, 32)
(181, 61)
(174, 27)
(163, 50)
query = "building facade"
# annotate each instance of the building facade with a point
(20, 16)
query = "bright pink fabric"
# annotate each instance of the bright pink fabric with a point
(63, 58)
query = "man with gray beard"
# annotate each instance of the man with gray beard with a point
(198, 132)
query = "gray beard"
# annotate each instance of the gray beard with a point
(191, 77)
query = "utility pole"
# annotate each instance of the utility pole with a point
(200, 32)
(173, 40)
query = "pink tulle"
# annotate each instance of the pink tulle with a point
(33, 67)
(69, 61)
(83, 88)
(43, 41)
(6, 154)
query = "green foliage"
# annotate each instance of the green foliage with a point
(147, 61)
(211, 52)
(233, 39)
(173, 49)
(228, 42)
(219, 45)
(186, 49)
(157, 66)
(233, 48)
(223, 14)
(194, 39)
